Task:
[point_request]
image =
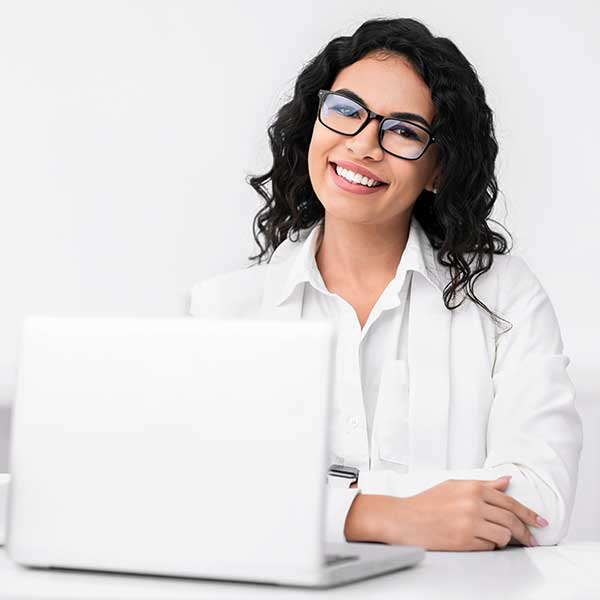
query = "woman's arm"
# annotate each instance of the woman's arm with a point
(453, 516)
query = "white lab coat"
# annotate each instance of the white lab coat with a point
(481, 405)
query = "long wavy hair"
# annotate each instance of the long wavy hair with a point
(456, 218)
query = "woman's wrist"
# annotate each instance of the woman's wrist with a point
(356, 528)
(369, 517)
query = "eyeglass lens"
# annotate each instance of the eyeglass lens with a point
(399, 137)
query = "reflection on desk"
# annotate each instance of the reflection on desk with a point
(569, 571)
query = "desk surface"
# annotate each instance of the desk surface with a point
(566, 571)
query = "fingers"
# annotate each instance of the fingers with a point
(500, 483)
(482, 544)
(511, 523)
(500, 499)
(492, 532)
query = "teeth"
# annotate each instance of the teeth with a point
(355, 177)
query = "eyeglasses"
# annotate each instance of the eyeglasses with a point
(401, 138)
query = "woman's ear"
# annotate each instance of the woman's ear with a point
(433, 183)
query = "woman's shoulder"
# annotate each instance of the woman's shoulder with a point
(234, 294)
(512, 289)
(513, 275)
(508, 283)
(520, 288)
(504, 267)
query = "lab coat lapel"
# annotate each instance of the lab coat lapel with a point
(429, 375)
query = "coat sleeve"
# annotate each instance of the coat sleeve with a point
(534, 431)
(338, 503)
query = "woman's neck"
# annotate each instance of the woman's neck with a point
(360, 256)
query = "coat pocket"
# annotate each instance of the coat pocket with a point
(392, 428)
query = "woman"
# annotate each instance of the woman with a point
(464, 432)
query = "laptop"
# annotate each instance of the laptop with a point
(179, 446)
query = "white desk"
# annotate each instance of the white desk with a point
(567, 571)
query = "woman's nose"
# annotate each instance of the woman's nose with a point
(367, 141)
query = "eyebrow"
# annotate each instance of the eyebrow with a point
(396, 115)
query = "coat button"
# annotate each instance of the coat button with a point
(353, 422)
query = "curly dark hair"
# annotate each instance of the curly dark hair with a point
(456, 218)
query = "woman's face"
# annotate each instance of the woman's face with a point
(386, 86)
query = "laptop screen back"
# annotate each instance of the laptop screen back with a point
(171, 445)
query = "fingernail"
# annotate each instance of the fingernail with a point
(541, 521)
(533, 542)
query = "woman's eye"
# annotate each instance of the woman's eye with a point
(406, 132)
(346, 111)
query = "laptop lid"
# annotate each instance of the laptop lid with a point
(180, 446)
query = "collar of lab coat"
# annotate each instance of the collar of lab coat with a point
(428, 336)
(302, 266)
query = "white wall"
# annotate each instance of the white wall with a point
(122, 169)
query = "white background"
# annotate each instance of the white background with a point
(122, 165)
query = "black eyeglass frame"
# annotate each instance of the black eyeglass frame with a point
(373, 115)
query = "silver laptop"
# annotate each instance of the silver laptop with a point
(179, 446)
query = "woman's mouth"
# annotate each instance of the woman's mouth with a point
(355, 188)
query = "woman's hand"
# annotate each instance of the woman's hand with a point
(454, 515)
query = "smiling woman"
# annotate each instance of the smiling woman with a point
(382, 186)
(399, 70)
